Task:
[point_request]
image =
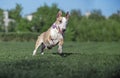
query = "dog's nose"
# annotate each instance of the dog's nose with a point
(64, 30)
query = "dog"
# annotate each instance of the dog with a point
(54, 35)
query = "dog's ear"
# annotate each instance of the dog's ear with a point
(67, 15)
(59, 14)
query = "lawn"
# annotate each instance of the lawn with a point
(80, 60)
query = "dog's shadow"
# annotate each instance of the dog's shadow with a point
(63, 54)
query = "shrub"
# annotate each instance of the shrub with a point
(18, 36)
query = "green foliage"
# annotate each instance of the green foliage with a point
(69, 34)
(16, 13)
(96, 15)
(115, 17)
(1, 19)
(81, 60)
(95, 27)
(18, 36)
(44, 17)
(23, 26)
(12, 26)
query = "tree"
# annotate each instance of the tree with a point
(16, 13)
(24, 26)
(44, 17)
(96, 15)
(115, 16)
(76, 14)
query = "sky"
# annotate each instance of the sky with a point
(107, 7)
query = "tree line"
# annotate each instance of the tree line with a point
(95, 27)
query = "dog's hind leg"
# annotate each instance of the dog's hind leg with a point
(38, 43)
(42, 48)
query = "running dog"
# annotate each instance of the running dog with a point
(54, 35)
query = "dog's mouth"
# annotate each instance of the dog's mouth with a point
(63, 30)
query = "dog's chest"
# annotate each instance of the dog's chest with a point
(55, 35)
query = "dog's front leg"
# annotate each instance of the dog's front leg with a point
(60, 46)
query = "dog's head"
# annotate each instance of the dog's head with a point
(62, 21)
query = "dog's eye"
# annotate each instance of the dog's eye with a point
(60, 21)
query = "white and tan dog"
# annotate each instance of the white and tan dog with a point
(54, 35)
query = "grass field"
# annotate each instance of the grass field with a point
(80, 60)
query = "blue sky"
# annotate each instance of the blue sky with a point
(29, 6)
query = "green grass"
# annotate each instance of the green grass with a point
(80, 60)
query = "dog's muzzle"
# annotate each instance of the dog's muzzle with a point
(63, 30)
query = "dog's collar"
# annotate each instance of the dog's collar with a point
(54, 26)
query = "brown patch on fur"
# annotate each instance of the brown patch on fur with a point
(58, 20)
(61, 42)
(46, 36)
